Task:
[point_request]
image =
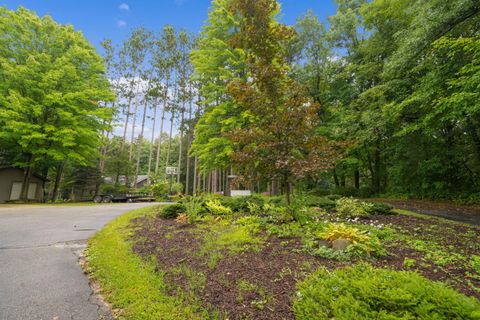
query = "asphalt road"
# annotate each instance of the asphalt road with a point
(40, 277)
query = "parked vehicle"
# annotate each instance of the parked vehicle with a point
(129, 197)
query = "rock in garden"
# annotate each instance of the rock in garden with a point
(340, 244)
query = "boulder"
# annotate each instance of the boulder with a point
(340, 244)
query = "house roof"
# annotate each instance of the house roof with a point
(121, 179)
(3, 167)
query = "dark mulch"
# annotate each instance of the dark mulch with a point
(451, 238)
(275, 270)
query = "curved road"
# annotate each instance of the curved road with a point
(40, 277)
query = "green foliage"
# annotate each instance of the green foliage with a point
(194, 208)
(124, 276)
(324, 202)
(172, 211)
(475, 263)
(364, 292)
(216, 208)
(380, 208)
(114, 189)
(409, 262)
(53, 82)
(353, 208)
(362, 242)
(160, 188)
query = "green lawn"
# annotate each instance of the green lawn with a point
(125, 277)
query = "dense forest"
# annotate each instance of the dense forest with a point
(384, 98)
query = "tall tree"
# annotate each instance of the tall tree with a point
(282, 141)
(52, 83)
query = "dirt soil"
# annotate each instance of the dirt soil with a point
(261, 284)
(449, 210)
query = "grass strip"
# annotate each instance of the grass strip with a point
(129, 283)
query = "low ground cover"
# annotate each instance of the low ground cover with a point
(256, 258)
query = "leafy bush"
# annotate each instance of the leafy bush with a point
(240, 204)
(341, 231)
(363, 292)
(380, 208)
(172, 211)
(353, 208)
(216, 208)
(362, 242)
(160, 188)
(320, 202)
(177, 188)
(194, 208)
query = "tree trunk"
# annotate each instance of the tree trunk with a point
(140, 142)
(180, 147)
(335, 179)
(26, 180)
(58, 178)
(356, 178)
(152, 140)
(132, 137)
(170, 134)
(195, 173)
(159, 143)
(125, 127)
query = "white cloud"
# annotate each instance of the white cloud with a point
(124, 7)
(121, 23)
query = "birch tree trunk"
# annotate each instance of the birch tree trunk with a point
(132, 137)
(159, 142)
(152, 139)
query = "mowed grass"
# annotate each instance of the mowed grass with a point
(130, 283)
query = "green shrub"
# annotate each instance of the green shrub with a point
(352, 208)
(380, 208)
(362, 242)
(363, 292)
(216, 208)
(160, 188)
(172, 211)
(321, 202)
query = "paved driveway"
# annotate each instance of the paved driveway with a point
(40, 277)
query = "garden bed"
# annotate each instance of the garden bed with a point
(254, 265)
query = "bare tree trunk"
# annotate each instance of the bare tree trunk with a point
(125, 126)
(159, 143)
(170, 136)
(58, 177)
(132, 137)
(195, 164)
(140, 142)
(26, 179)
(152, 139)
(180, 147)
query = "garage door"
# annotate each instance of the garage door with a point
(32, 191)
(16, 191)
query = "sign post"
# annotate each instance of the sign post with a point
(171, 171)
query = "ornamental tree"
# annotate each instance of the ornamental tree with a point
(282, 141)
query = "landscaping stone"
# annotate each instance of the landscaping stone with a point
(341, 244)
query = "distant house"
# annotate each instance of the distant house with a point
(142, 181)
(11, 180)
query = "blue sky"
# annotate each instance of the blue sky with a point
(113, 19)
